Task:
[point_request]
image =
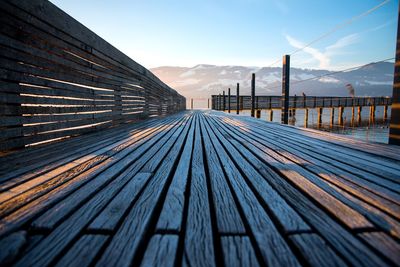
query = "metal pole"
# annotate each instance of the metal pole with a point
(285, 89)
(253, 92)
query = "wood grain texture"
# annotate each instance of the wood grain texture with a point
(199, 188)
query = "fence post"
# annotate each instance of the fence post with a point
(229, 100)
(237, 98)
(253, 92)
(285, 89)
(223, 101)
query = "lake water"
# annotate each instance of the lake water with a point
(372, 131)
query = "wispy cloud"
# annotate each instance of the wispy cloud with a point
(324, 56)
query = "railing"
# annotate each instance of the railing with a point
(58, 78)
(275, 102)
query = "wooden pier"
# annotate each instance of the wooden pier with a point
(103, 166)
(202, 189)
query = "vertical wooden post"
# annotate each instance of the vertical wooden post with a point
(294, 105)
(208, 103)
(341, 110)
(332, 116)
(258, 113)
(371, 114)
(394, 131)
(285, 89)
(359, 110)
(319, 122)
(237, 98)
(229, 100)
(223, 101)
(271, 115)
(385, 112)
(352, 115)
(253, 93)
(306, 118)
(191, 103)
(219, 102)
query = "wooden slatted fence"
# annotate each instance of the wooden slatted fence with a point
(59, 79)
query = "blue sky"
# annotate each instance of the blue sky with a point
(241, 32)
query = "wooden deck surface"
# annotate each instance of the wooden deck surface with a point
(202, 189)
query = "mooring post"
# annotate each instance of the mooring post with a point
(253, 93)
(394, 131)
(223, 101)
(237, 98)
(229, 100)
(285, 89)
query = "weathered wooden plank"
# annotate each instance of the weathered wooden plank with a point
(227, 214)
(124, 169)
(315, 250)
(124, 244)
(198, 244)
(115, 210)
(347, 245)
(383, 243)
(11, 246)
(301, 178)
(161, 251)
(332, 175)
(84, 251)
(172, 213)
(289, 220)
(238, 251)
(269, 240)
(48, 200)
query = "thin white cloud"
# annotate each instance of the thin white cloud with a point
(324, 57)
(315, 53)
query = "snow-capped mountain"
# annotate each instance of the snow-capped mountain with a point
(201, 81)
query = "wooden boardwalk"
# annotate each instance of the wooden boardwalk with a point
(201, 189)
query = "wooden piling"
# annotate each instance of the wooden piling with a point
(237, 98)
(191, 103)
(340, 115)
(208, 103)
(359, 110)
(271, 115)
(352, 115)
(319, 122)
(372, 114)
(219, 102)
(332, 116)
(229, 100)
(253, 93)
(258, 113)
(285, 89)
(306, 118)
